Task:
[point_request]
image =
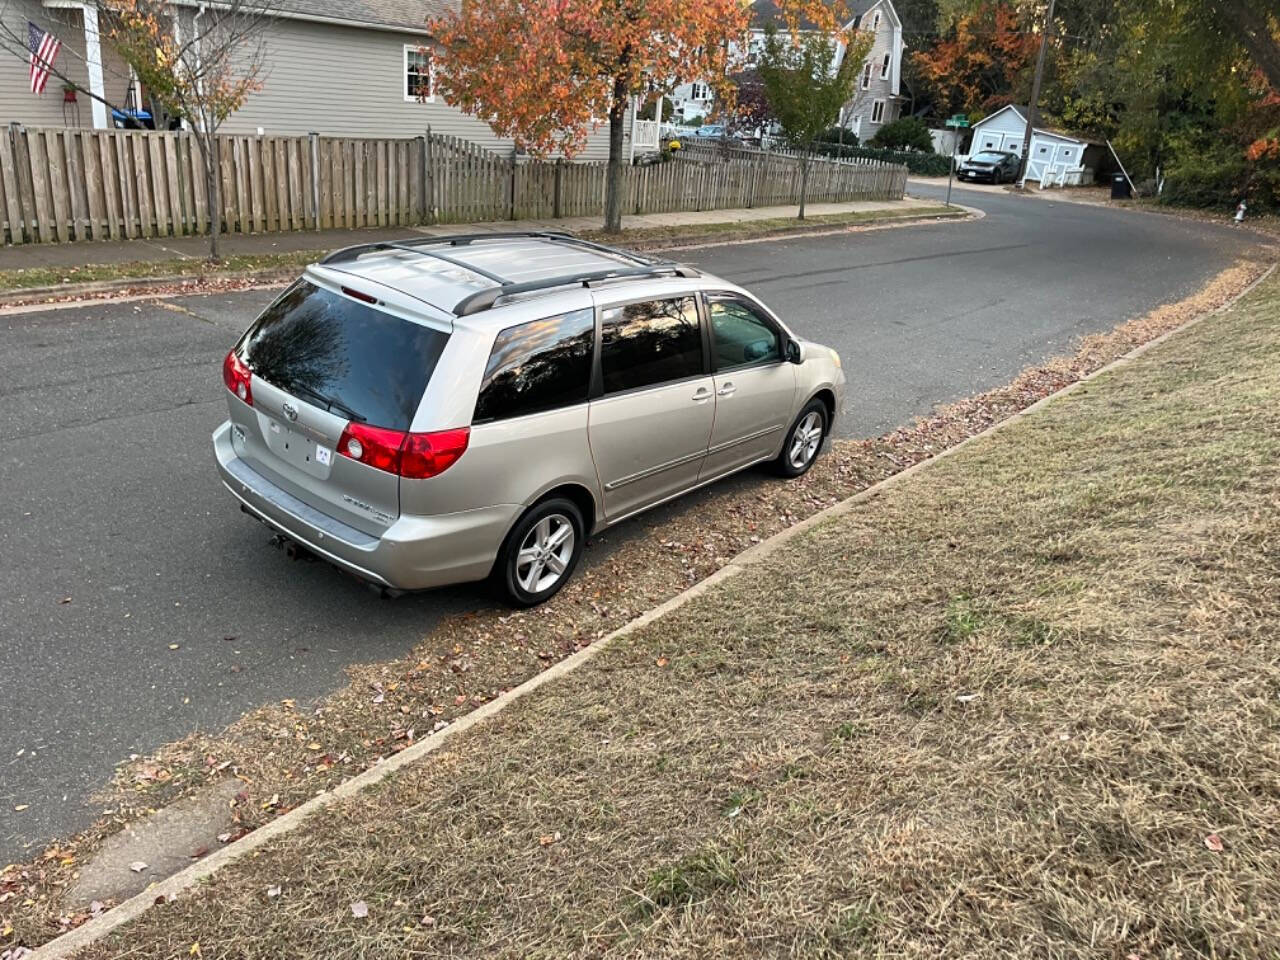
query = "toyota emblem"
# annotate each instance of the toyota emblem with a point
(290, 411)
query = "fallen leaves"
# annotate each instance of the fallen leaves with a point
(21, 806)
(359, 909)
(1213, 842)
(138, 866)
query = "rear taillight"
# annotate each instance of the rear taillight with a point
(413, 455)
(427, 454)
(236, 375)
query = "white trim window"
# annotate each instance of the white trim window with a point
(884, 65)
(419, 74)
(699, 91)
(877, 111)
(875, 22)
(866, 75)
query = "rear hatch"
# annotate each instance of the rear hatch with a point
(321, 360)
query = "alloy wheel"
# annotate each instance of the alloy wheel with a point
(805, 441)
(545, 553)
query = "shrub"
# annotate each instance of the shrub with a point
(1199, 181)
(924, 164)
(838, 135)
(905, 133)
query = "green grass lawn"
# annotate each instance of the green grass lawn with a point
(1024, 703)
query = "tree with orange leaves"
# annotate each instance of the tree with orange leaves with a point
(980, 65)
(545, 72)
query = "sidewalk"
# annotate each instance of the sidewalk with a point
(162, 249)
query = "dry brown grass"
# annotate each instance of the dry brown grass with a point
(470, 659)
(1010, 707)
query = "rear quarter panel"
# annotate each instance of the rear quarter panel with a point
(511, 461)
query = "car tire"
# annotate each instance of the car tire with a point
(996, 178)
(526, 573)
(803, 441)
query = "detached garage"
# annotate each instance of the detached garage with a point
(1056, 158)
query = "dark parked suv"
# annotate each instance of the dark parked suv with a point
(995, 166)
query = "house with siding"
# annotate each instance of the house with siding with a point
(877, 99)
(356, 68)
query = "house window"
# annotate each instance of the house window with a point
(875, 21)
(1066, 153)
(1013, 148)
(877, 112)
(866, 75)
(417, 74)
(1044, 149)
(884, 66)
(700, 91)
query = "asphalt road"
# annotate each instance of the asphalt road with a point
(117, 541)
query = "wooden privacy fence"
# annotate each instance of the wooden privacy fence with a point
(470, 183)
(73, 184)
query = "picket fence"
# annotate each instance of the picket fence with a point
(73, 184)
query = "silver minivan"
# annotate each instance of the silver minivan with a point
(448, 409)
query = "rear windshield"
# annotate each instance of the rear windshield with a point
(343, 355)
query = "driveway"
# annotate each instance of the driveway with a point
(139, 605)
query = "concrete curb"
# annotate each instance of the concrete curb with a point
(138, 287)
(94, 930)
(103, 289)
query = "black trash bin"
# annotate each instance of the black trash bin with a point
(1120, 189)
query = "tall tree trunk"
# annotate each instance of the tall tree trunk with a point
(213, 191)
(1249, 26)
(804, 179)
(613, 175)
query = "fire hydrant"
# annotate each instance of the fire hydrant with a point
(1240, 212)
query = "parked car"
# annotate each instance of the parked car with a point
(711, 130)
(996, 166)
(449, 409)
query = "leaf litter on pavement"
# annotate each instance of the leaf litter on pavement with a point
(472, 658)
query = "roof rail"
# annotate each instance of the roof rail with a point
(485, 299)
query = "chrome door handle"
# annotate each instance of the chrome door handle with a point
(727, 389)
(702, 394)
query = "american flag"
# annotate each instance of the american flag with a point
(44, 48)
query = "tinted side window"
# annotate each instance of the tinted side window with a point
(538, 365)
(643, 344)
(740, 334)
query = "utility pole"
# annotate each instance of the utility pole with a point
(1035, 98)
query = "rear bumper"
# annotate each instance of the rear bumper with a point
(414, 553)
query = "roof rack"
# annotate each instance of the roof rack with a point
(485, 299)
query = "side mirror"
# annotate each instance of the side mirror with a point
(794, 353)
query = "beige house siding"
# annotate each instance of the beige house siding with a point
(331, 79)
(863, 102)
(18, 104)
(348, 81)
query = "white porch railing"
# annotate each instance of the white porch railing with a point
(645, 135)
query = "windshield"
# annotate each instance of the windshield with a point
(342, 355)
(988, 156)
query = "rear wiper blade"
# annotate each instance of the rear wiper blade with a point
(330, 403)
